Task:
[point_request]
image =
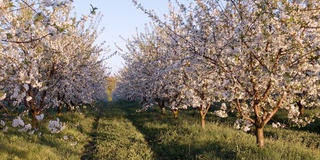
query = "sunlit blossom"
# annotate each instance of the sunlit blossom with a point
(29, 98)
(2, 96)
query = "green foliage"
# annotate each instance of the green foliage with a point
(38, 18)
(9, 36)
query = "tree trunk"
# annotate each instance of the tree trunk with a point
(175, 113)
(301, 108)
(202, 116)
(59, 110)
(259, 136)
(203, 121)
(162, 112)
(34, 121)
(34, 112)
(162, 107)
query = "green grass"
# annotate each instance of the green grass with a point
(43, 144)
(117, 137)
(183, 138)
(116, 131)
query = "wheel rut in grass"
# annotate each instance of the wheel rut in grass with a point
(149, 135)
(120, 130)
(90, 149)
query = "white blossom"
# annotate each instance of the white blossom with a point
(223, 107)
(17, 122)
(293, 112)
(242, 124)
(29, 98)
(276, 125)
(31, 132)
(48, 3)
(55, 126)
(40, 116)
(25, 128)
(2, 123)
(51, 29)
(246, 128)
(2, 96)
(221, 113)
(5, 129)
(26, 86)
(65, 137)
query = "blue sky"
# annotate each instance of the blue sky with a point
(121, 18)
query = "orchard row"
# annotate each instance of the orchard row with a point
(254, 56)
(48, 58)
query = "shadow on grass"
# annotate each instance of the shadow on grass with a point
(174, 147)
(12, 151)
(55, 144)
(181, 138)
(90, 149)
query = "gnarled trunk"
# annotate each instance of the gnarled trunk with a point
(203, 112)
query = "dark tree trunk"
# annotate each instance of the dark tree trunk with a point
(34, 112)
(59, 109)
(163, 110)
(161, 106)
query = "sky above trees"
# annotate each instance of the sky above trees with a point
(121, 18)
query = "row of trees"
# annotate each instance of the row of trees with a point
(48, 58)
(257, 56)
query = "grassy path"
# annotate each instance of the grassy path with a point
(90, 148)
(115, 137)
